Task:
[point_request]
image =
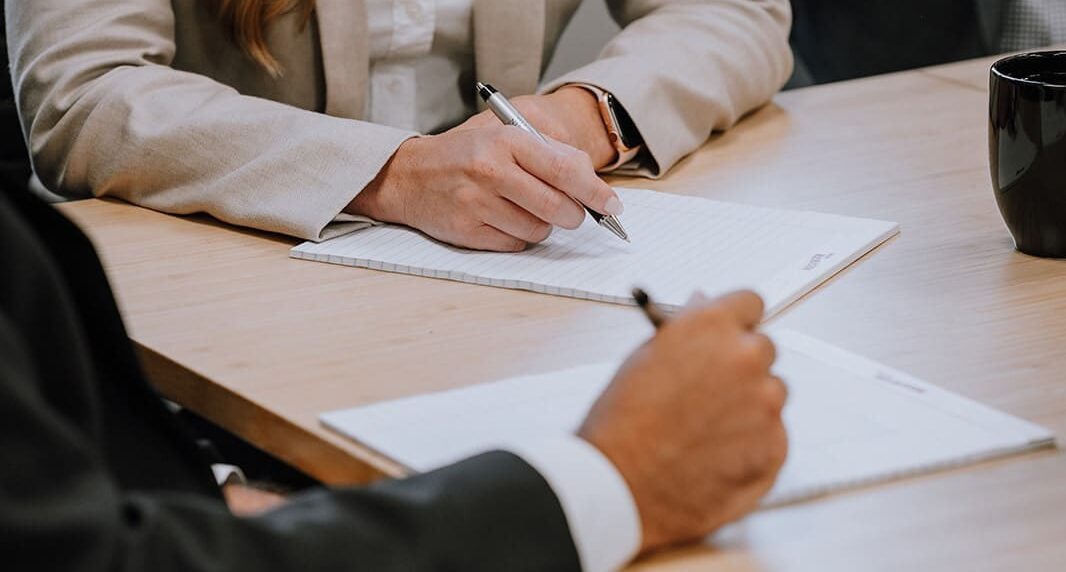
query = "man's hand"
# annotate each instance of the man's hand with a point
(693, 422)
(570, 115)
(244, 500)
(491, 188)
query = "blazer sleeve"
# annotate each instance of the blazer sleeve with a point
(105, 114)
(60, 510)
(685, 68)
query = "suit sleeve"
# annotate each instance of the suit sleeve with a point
(59, 510)
(105, 114)
(685, 68)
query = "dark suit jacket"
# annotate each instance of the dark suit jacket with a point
(842, 39)
(97, 475)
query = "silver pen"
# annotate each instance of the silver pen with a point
(511, 116)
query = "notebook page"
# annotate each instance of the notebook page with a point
(850, 421)
(680, 245)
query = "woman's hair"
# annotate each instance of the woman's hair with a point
(247, 21)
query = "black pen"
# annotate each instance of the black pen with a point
(655, 314)
(511, 116)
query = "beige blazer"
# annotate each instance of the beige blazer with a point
(148, 100)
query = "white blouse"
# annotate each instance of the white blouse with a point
(421, 63)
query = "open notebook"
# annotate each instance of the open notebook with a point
(850, 421)
(680, 245)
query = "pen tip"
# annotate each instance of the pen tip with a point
(640, 296)
(611, 223)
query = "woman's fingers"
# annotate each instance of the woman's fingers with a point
(541, 200)
(566, 169)
(516, 221)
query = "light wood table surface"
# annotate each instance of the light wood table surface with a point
(232, 328)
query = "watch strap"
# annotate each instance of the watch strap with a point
(616, 135)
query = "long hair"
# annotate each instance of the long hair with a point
(246, 21)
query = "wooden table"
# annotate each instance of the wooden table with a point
(232, 328)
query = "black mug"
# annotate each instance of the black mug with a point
(1027, 149)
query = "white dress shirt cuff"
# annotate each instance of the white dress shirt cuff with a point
(226, 474)
(598, 505)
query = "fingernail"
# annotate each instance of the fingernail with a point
(614, 206)
(698, 297)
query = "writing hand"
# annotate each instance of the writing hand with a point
(490, 188)
(693, 421)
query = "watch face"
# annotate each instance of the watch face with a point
(626, 128)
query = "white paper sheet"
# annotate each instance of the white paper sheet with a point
(850, 421)
(679, 245)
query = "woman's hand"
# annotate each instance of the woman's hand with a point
(491, 188)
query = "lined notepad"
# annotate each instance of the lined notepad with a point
(680, 245)
(850, 421)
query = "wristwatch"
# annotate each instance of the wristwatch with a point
(621, 130)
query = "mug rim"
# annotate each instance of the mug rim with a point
(996, 71)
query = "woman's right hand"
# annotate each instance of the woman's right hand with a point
(491, 188)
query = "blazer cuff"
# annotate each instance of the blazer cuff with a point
(599, 507)
(345, 223)
(325, 219)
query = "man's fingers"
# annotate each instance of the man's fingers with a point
(568, 170)
(698, 300)
(745, 305)
(762, 348)
(775, 394)
(541, 200)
